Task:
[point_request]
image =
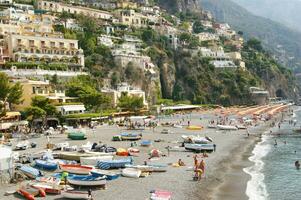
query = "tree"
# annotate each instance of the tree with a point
(130, 103)
(15, 95)
(198, 27)
(85, 89)
(9, 93)
(34, 112)
(44, 104)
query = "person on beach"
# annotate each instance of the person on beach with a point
(214, 147)
(202, 166)
(181, 163)
(90, 194)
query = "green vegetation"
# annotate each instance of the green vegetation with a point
(85, 88)
(130, 103)
(9, 93)
(40, 108)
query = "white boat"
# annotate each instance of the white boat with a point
(199, 147)
(93, 160)
(241, 127)
(227, 127)
(177, 126)
(61, 145)
(87, 146)
(75, 195)
(23, 145)
(211, 126)
(131, 172)
(195, 139)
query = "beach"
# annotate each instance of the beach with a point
(224, 175)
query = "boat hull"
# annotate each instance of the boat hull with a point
(76, 169)
(93, 160)
(98, 181)
(131, 172)
(75, 195)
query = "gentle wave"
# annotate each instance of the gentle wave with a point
(256, 189)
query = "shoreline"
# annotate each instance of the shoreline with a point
(230, 181)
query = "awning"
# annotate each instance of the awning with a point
(69, 108)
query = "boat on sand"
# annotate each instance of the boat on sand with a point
(131, 172)
(76, 169)
(87, 180)
(75, 194)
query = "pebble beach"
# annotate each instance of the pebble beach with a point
(223, 179)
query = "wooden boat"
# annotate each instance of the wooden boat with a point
(109, 174)
(77, 136)
(93, 160)
(146, 143)
(89, 180)
(227, 127)
(76, 169)
(46, 165)
(131, 172)
(30, 171)
(199, 147)
(114, 164)
(130, 136)
(75, 194)
(76, 156)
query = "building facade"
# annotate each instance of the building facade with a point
(61, 7)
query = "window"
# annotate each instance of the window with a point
(19, 41)
(61, 44)
(52, 44)
(31, 43)
(42, 43)
(71, 45)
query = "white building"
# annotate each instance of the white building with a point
(205, 36)
(223, 64)
(71, 109)
(124, 88)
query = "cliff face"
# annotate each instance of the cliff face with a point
(180, 5)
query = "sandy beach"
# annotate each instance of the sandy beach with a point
(224, 177)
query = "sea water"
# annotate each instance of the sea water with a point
(273, 173)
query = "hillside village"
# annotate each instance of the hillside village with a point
(53, 48)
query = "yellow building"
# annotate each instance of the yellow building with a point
(61, 7)
(132, 18)
(32, 89)
(31, 47)
(126, 4)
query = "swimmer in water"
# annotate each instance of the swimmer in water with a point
(275, 144)
(297, 164)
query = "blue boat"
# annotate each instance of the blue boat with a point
(109, 175)
(87, 180)
(30, 171)
(46, 165)
(146, 143)
(114, 164)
